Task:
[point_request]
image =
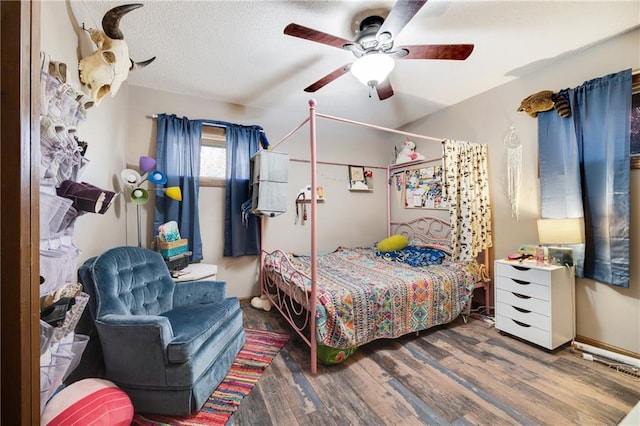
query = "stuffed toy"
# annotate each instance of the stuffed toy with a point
(261, 302)
(544, 101)
(407, 153)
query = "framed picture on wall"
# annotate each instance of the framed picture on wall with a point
(357, 178)
(635, 123)
(423, 188)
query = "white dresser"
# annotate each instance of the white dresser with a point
(535, 303)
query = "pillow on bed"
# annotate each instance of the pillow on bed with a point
(442, 247)
(416, 256)
(393, 243)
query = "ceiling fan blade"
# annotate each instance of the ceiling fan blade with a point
(398, 17)
(328, 78)
(457, 52)
(306, 33)
(384, 89)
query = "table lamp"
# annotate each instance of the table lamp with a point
(140, 196)
(561, 232)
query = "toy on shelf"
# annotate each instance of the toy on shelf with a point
(408, 153)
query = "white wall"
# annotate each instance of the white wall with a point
(344, 218)
(605, 313)
(105, 130)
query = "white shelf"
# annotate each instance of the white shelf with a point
(320, 200)
(413, 163)
(361, 190)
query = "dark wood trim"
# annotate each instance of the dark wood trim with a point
(19, 219)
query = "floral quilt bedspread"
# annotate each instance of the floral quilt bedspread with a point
(363, 297)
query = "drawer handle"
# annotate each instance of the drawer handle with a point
(524, 311)
(520, 282)
(521, 324)
(520, 268)
(521, 296)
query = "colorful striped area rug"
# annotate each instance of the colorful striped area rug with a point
(261, 348)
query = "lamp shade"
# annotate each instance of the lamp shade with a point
(561, 231)
(146, 164)
(130, 177)
(139, 196)
(157, 177)
(174, 193)
(373, 68)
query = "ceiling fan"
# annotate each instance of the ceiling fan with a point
(374, 50)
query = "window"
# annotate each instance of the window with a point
(213, 156)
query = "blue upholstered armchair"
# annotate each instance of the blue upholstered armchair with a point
(167, 345)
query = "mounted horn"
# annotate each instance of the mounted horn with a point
(105, 69)
(138, 65)
(111, 20)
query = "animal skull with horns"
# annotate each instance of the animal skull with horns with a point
(105, 69)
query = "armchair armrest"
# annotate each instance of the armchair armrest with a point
(195, 292)
(135, 348)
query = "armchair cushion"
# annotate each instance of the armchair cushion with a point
(194, 325)
(195, 292)
(135, 282)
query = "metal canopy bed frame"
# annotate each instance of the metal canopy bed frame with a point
(298, 306)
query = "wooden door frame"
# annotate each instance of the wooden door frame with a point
(19, 213)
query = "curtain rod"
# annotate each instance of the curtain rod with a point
(154, 116)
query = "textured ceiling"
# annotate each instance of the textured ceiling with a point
(235, 51)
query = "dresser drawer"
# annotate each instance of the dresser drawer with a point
(527, 288)
(527, 317)
(523, 273)
(523, 330)
(528, 303)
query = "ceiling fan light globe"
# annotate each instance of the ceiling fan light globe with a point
(373, 68)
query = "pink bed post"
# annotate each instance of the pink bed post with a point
(388, 201)
(314, 216)
(487, 285)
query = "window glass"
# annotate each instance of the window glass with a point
(213, 156)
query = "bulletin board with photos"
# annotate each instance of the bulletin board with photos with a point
(423, 187)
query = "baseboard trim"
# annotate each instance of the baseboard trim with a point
(605, 346)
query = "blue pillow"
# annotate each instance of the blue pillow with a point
(415, 256)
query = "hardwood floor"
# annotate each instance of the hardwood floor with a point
(458, 374)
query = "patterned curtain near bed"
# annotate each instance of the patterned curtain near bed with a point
(466, 188)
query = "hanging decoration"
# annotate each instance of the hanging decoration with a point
(514, 169)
